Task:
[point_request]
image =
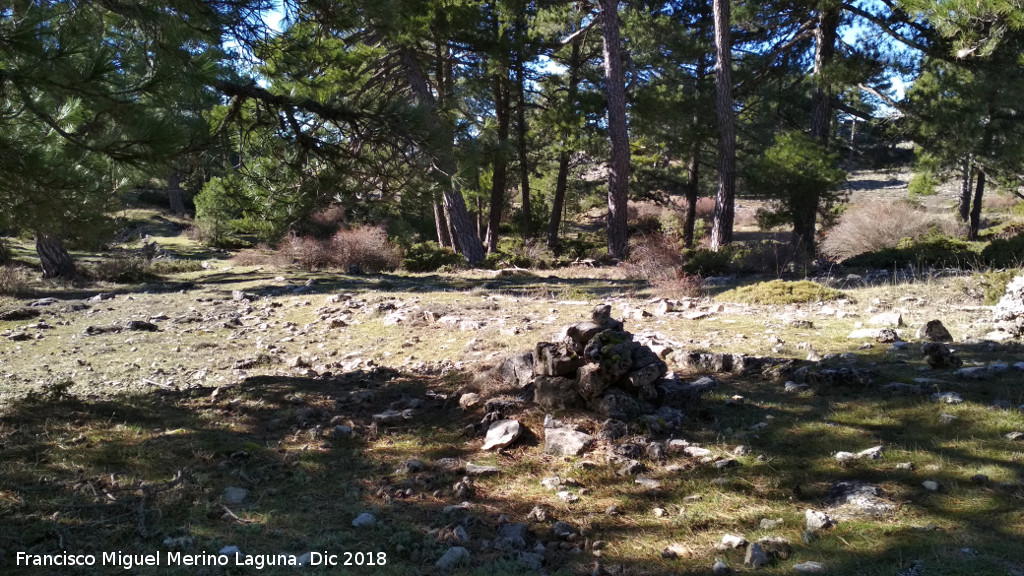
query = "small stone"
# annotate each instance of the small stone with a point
(647, 482)
(720, 568)
(502, 434)
(726, 463)
(364, 519)
(905, 466)
(888, 320)
(566, 496)
(552, 483)
(660, 512)
(973, 373)
(696, 452)
(793, 387)
(455, 556)
(562, 530)
(873, 453)
(818, 520)
(470, 400)
(566, 442)
(612, 510)
(810, 568)
(947, 419)
(776, 547)
(477, 470)
(756, 556)
(732, 541)
(948, 397)
(931, 485)
(234, 495)
(770, 523)
(979, 479)
(741, 450)
(1016, 436)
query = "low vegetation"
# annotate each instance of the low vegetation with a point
(781, 292)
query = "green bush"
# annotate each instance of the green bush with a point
(781, 292)
(922, 184)
(122, 270)
(1004, 253)
(430, 256)
(993, 284)
(931, 251)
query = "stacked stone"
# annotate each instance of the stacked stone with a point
(1009, 312)
(597, 365)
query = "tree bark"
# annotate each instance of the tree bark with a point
(54, 257)
(499, 179)
(618, 165)
(524, 162)
(562, 181)
(806, 208)
(966, 187)
(693, 166)
(441, 149)
(725, 198)
(975, 222)
(441, 224)
(174, 193)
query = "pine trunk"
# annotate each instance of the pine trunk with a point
(174, 193)
(441, 149)
(805, 209)
(693, 166)
(725, 198)
(562, 181)
(499, 178)
(966, 187)
(618, 165)
(5, 256)
(975, 223)
(54, 257)
(524, 163)
(441, 225)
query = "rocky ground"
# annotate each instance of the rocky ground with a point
(284, 413)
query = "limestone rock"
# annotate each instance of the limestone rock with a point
(566, 442)
(556, 393)
(518, 369)
(934, 331)
(939, 356)
(455, 556)
(756, 556)
(887, 320)
(502, 434)
(817, 520)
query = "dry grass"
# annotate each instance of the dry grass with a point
(17, 281)
(877, 225)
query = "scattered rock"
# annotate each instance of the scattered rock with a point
(518, 369)
(18, 314)
(818, 520)
(939, 356)
(948, 397)
(770, 524)
(234, 495)
(502, 434)
(887, 320)
(1016, 436)
(364, 519)
(720, 568)
(972, 373)
(463, 489)
(477, 470)
(647, 482)
(947, 419)
(566, 442)
(810, 568)
(732, 541)
(562, 530)
(755, 556)
(470, 400)
(931, 485)
(393, 416)
(511, 537)
(934, 331)
(1009, 311)
(776, 547)
(857, 498)
(455, 556)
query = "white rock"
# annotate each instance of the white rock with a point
(810, 568)
(887, 320)
(817, 520)
(733, 541)
(502, 434)
(455, 556)
(364, 519)
(873, 453)
(930, 485)
(234, 495)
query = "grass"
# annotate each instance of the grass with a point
(154, 426)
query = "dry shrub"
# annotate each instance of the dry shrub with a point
(1000, 202)
(874, 226)
(261, 255)
(16, 281)
(658, 260)
(365, 247)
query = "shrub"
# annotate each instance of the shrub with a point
(922, 184)
(704, 262)
(366, 247)
(1004, 252)
(306, 252)
(174, 266)
(430, 256)
(122, 270)
(874, 226)
(781, 292)
(934, 250)
(216, 207)
(656, 259)
(16, 281)
(993, 284)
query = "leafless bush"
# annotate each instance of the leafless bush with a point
(261, 255)
(1000, 202)
(873, 226)
(366, 247)
(657, 259)
(16, 281)
(306, 252)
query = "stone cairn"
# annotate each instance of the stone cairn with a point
(598, 366)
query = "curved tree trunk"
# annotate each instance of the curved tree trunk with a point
(725, 199)
(441, 149)
(54, 257)
(618, 165)
(558, 202)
